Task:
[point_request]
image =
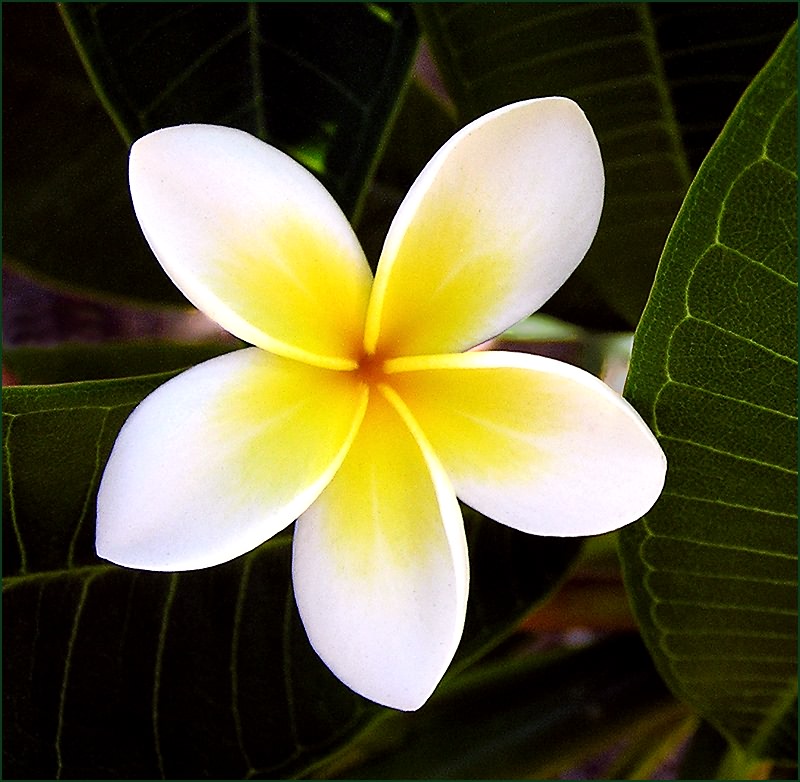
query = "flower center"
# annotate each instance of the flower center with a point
(370, 369)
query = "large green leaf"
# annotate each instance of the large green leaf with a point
(524, 716)
(74, 361)
(67, 214)
(712, 569)
(319, 81)
(636, 69)
(117, 673)
(423, 124)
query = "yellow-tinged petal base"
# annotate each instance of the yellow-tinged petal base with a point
(493, 225)
(288, 282)
(253, 240)
(380, 564)
(221, 458)
(534, 443)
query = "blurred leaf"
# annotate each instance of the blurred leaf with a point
(536, 717)
(117, 673)
(616, 61)
(704, 753)
(318, 81)
(656, 749)
(710, 53)
(67, 214)
(712, 569)
(72, 362)
(423, 125)
(709, 756)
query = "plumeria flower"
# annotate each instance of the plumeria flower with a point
(357, 412)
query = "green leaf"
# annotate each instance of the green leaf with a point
(710, 55)
(118, 673)
(536, 716)
(424, 123)
(67, 215)
(712, 569)
(422, 126)
(319, 82)
(75, 361)
(636, 70)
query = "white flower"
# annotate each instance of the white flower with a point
(356, 412)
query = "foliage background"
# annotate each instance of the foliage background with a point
(114, 673)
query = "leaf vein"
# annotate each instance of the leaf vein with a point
(532, 23)
(716, 633)
(727, 397)
(237, 622)
(748, 677)
(741, 337)
(87, 571)
(187, 72)
(728, 576)
(23, 555)
(721, 452)
(337, 84)
(727, 546)
(548, 59)
(67, 670)
(726, 504)
(761, 265)
(768, 137)
(722, 607)
(255, 68)
(169, 599)
(738, 658)
(89, 491)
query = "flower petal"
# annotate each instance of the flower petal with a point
(534, 443)
(253, 240)
(380, 564)
(221, 458)
(493, 225)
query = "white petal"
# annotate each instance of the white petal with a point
(221, 458)
(252, 239)
(534, 443)
(380, 565)
(493, 225)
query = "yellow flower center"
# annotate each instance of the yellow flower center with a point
(371, 369)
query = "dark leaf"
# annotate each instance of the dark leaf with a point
(535, 717)
(319, 81)
(649, 80)
(115, 673)
(712, 569)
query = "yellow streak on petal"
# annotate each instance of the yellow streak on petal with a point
(287, 430)
(222, 457)
(494, 224)
(380, 565)
(253, 240)
(534, 443)
(486, 420)
(382, 505)
(454, 258)
(287, 284)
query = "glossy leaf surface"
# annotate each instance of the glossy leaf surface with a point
(75, 361)
(636, 70)
(319, 82)
(533, 717)
(201, 674)
(713, 567)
